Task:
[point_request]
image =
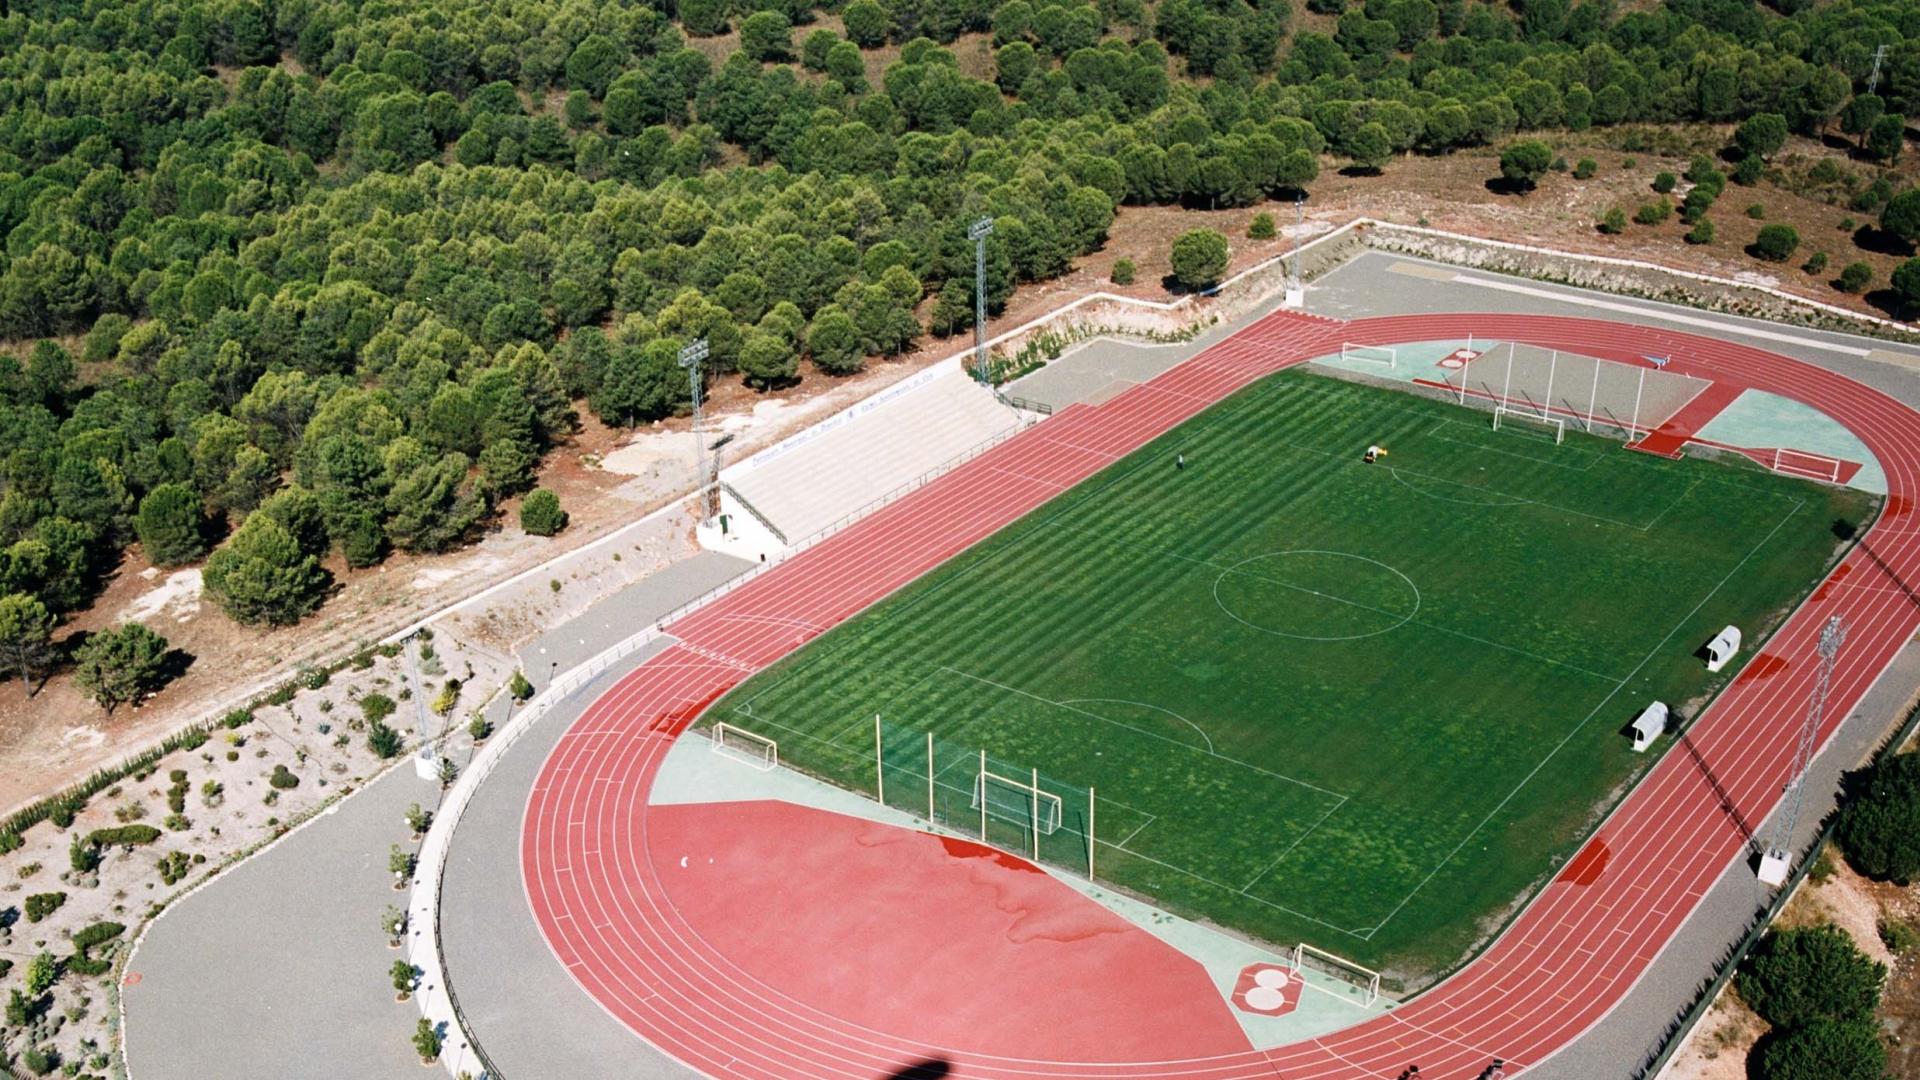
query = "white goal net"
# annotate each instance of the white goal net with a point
(1365, 981)
(1381, 355)
(1552, 427)
(1812, 466)
(756, 750)
(1016, 802)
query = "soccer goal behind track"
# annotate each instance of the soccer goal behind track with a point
(1379, 355)
(756, 750)
(1365, 981)
(1811, 466)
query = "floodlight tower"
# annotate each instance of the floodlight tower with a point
(1873, 80)
(1778, 857)
(978, 233)
(691, 355)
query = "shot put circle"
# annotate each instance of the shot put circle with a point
(1379, 597)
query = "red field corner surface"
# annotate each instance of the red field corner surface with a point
(814, 945)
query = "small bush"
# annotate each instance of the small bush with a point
(519, 687)
(282, 695)
(40, 905)
(39, 1060)
(540, 513)
(124, 836)
(10, 842)
(1815, 262)
(1122, 272)
(377, 707)
(448, 697)
(1701, 233)
(1261, 227)
(173, 866)
(237, 719)
(478, 728)
(1585, 169)
(1848, 224)
(1899, 936)
(1757, 212)
(83, 856)
(1614, 222)
(282, 778)
(1664, 182)
(1856, 277)
(314, 678)
(177, 822)
(1653, 213)
(383, 740)
(1749, 171)
(1776, 243)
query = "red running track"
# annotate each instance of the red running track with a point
(1559, 967)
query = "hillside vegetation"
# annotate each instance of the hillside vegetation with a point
(307, 282)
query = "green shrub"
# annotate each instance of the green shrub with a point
(1199, 258)
(383, 740)
(1855, 277)
(1898, 935)
(1825, 1050)
(42, 972)
(1613, 222)
(377, 707)
(282, 694)
(173, 866)
(1757, 212)
(124, 836)
(282, 779)
(540, 513)
(83, 855)
(1815, 263)
(1585, 169)
(1261, 227)
(1664, 182)
(40, 905)
(1776, 243)
(1795, 977)
(1122, 272)
(1653, 213)
(40, 1060)
(1880, 826)
(1701, 233)
(519, 687)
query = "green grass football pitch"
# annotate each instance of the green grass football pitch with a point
(1365, 706)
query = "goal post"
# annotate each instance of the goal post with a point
(1804, 464)
(1020, 802)
(1528, 420)
(1382, 355)
(1365, 980)
(741, 745)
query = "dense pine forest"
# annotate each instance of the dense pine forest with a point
(293, 278)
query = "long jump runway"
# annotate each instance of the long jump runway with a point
(738, 996)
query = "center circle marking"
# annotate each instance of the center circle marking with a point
(1239, 570)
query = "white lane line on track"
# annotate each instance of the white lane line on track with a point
(1683, 841)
